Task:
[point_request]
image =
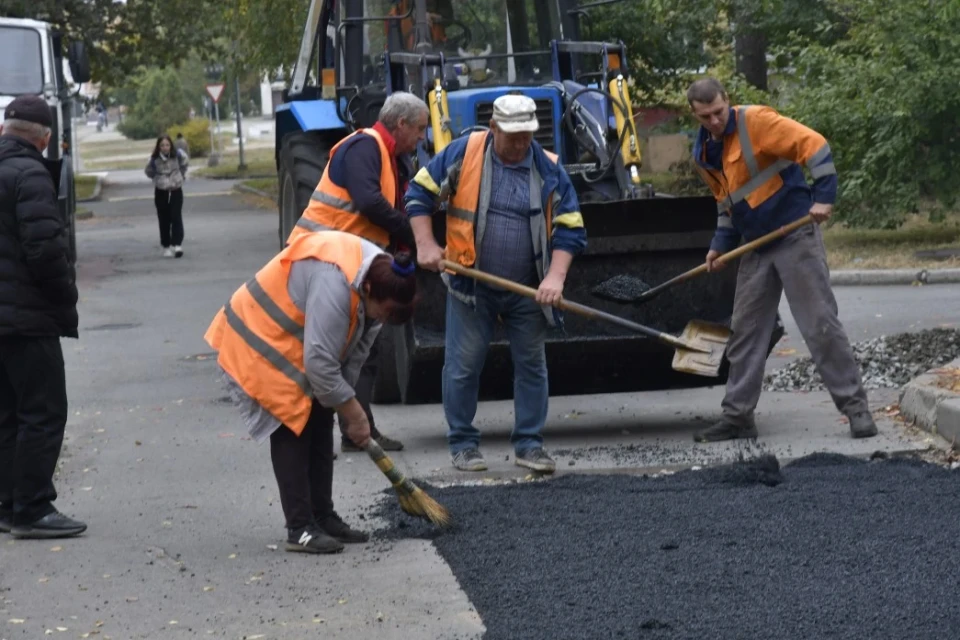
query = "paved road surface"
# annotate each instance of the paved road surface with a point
(182, 507)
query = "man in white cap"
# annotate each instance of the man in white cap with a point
(511, 210)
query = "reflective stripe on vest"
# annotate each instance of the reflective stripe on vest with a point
(332, 209)
(758, 178)
(258, 334)
(462, 208)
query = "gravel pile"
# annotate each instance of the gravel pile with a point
(886, 362)
(827, 546)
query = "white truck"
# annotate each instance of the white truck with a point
(32, 62)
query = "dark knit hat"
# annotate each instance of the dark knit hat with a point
(29, 109)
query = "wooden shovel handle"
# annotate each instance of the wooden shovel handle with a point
(728, 256)
(566, 305)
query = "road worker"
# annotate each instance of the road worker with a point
(290, 343)
(752, 158)
(360, 192)
(514, 213)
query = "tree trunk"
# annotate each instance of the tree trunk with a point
(751, 56)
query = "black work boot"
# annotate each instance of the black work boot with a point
(311, 539)
(862, 425)
(52, 525)
(725, 430)
(334, 526)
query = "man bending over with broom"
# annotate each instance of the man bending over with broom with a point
(291, 342)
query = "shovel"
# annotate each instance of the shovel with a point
(626, 289)
(699, 349)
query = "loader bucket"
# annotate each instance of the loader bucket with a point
(650, 239)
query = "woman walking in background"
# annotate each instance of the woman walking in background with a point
(167, 168)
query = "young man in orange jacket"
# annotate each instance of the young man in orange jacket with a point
(752, 158)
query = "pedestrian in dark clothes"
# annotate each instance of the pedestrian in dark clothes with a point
(167, 168)
(38, 306)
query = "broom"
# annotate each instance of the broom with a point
(412, 498)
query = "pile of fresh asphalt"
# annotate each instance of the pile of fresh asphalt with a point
(886, 362)
(826, 546)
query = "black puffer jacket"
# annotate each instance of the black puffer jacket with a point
(38, 292)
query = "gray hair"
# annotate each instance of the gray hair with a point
(401, 105)
(705, 91)
(30, 130)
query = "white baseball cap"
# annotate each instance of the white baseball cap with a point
(515, 114)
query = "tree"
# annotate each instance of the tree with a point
(886, 99)
(125, 36)
(161, 103)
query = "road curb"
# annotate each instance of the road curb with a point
(96, 191)
(855, 277)
(931, 407)
(258, 192)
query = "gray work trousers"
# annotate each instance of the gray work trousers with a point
(796, 266)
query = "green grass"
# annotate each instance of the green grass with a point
(85, 186)
(892, 248)
(93, 150)
(267, 185)
(115, 165)
(260, 164)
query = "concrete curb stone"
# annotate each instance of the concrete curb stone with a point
(931, 407)
(854, 277)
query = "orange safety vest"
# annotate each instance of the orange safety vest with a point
(259, 332)
(462, 209)
(332, 209)
(755, 176)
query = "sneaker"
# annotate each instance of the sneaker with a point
(536, 459)
(862, 425)
(387, 444)
(167, 252)
(52, 525)
(723, 430)
(469, 460)
(6, 520)
(312, 540)
(341, 531)
(178, 251)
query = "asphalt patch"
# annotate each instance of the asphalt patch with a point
(827, 546)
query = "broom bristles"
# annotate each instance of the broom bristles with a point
(413, 500)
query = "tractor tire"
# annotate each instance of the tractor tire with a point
(303, 157)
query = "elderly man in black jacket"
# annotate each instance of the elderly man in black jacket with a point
(38, 305)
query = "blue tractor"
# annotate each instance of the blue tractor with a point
(459, 57)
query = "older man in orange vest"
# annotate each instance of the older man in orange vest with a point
(360, 192)
(751, 158)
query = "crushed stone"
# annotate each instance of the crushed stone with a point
(886, 362)
(826, 546)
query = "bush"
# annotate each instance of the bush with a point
(161, 103)
(197, 134)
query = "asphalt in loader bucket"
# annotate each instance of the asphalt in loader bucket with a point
(644, 240)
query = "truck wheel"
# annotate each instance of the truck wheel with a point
(303, 157)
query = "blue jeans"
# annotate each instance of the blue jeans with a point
(468, 337)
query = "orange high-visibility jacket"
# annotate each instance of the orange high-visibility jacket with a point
(761, 186)
(462, 211)
(259, 332)
(331, 207)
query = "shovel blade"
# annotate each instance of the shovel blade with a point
(706, 335)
